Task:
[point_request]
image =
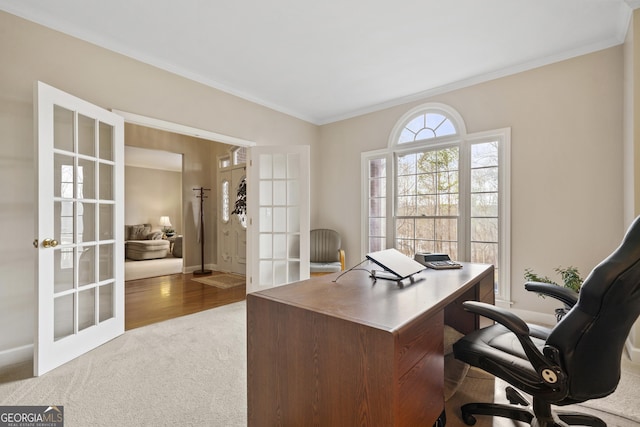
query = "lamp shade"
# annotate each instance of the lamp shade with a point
(165, 221)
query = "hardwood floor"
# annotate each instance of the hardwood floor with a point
(160, 298)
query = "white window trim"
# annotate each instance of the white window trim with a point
(503, 135)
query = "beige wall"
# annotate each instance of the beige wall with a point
(632, 141)
(151, 193)
(31, 52)
(566, 143)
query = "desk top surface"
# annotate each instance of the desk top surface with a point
(381, 304)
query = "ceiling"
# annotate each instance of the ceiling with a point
(327, 60)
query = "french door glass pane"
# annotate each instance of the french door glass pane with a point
(294, 271)
(63, 269)
(86, 223)
(86, 179)
(63, 222)
(279, 220)
(294, 246)
(106, 222)
(266, 166)
(279, 272)
(279, 166)
(280, 193)
(86, 136)
(279, 246)
(266, 193)
(106, 260)
(105, 298)
(106, 181)
(86, 308)
(293, 192)
(62, 128)
(266, 246)
(293, 219)
(266, 273)
(106, 141)
(293, 160)
(266, 223)
(86, 265)
(63, 176)
(63, 309)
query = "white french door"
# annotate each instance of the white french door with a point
(80, 205)
(278, 216)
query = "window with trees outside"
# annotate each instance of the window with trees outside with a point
(437, 189)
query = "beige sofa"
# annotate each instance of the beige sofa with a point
(142, 243)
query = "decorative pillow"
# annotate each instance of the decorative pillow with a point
(156, 235)
(139, 232)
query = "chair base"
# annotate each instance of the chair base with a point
(538, 415)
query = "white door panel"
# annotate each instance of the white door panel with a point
(80, 173)
(278, 211)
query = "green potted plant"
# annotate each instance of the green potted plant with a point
(571, 279)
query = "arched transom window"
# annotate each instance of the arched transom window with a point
(427, 125)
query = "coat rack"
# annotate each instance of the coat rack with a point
(201, 196)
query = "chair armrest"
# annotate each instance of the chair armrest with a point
(516, 325)
(341, 252)
(500, 315)
(567, 296)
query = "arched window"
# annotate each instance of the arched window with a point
(426, 125)
(438, 189)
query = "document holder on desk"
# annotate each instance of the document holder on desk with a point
(395, 262)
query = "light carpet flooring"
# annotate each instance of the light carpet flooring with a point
(134, 270)
(191, 371)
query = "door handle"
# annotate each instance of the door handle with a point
(49, 243)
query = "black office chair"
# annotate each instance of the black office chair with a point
(577, 360)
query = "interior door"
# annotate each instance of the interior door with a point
(80, 198)
(278, 216)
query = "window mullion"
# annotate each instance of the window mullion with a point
(464, 217)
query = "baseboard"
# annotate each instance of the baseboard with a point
(16, 355)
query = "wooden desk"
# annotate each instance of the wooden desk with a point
(356, 352)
